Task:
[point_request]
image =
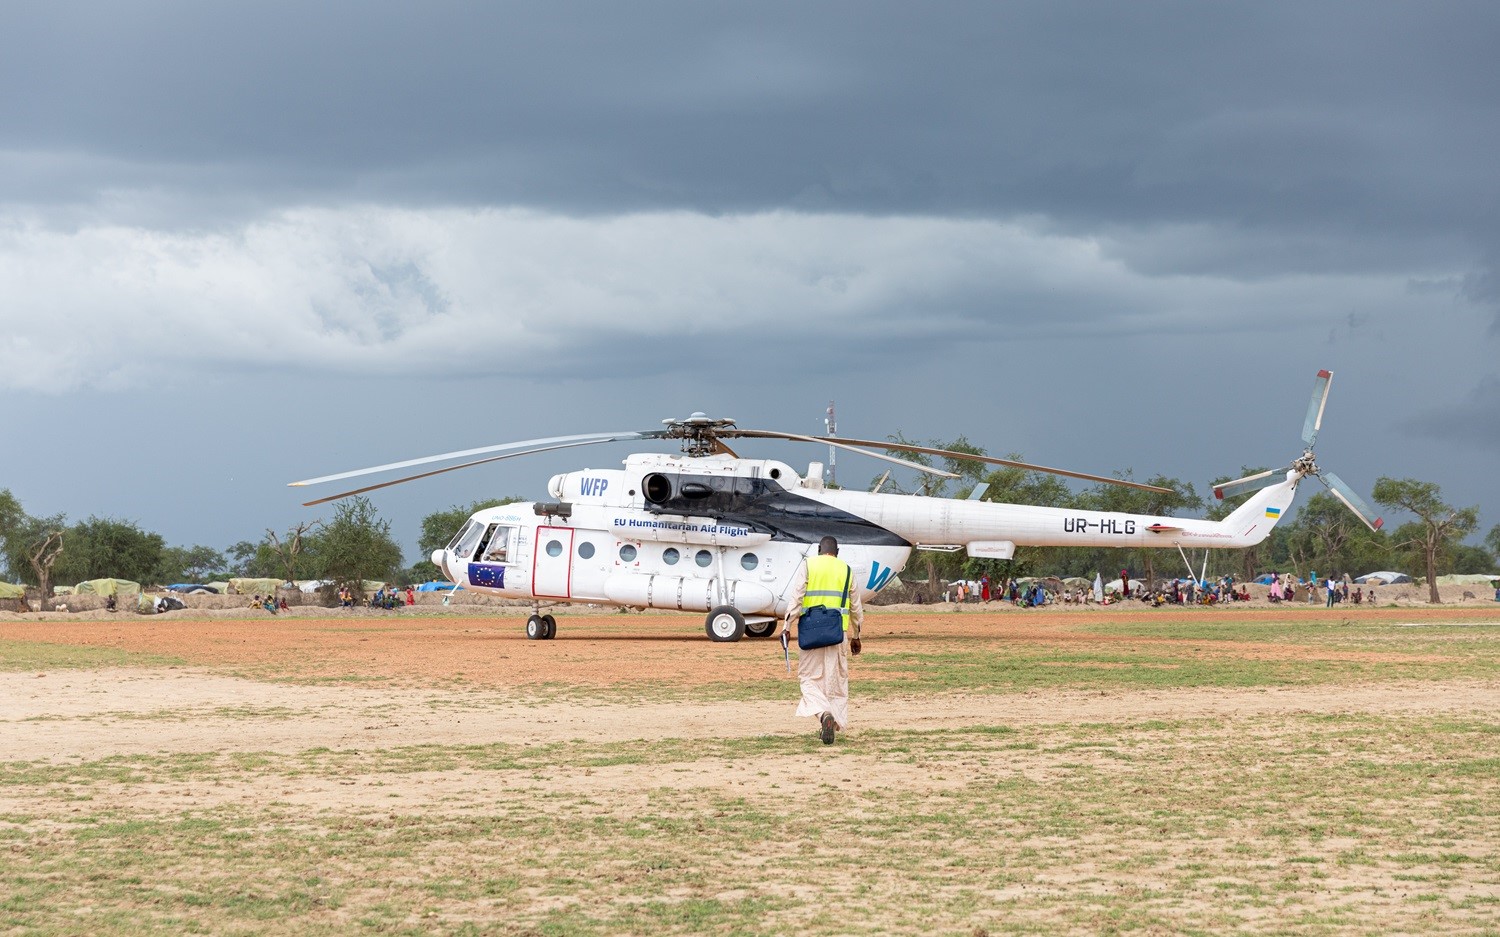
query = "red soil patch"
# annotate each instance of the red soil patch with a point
(605, 649)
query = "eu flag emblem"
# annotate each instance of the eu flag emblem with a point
(487, 574)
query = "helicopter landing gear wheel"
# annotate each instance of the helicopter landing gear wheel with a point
(551, 624)
(536, 629)
(760, 629)
(725, 623)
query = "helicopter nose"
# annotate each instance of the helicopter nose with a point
(440, 560)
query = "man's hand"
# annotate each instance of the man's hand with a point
(854, 646)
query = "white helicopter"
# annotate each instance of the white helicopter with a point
(708, 531)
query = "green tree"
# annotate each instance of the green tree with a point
(439, 527)
(33, 545)
(356, 545)
(296, 552)
(1439, 528)
(1492, 540)
(253, 560)
(11, 520)
(192, 564)
(102, 547)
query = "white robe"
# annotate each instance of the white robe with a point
(824, 671)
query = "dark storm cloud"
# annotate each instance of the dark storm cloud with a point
(1000, 219)
(1326, 115)
(1471, 421)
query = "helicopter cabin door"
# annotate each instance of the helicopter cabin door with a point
(551, 575)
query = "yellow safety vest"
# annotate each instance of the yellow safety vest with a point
(828, 577)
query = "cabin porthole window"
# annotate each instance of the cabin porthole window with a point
(554, 548)
(749, 561)
(703, 558)
(586, 550)
(670, 556)
(627, 553)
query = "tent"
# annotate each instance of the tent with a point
(1383, 578)
(312, 585)
(9, 591)
(1265, 580)
(1467, 579)
(191, 587)
(107, 587)
(253, 586)
(1078, 582)
(436, 587)
(218, 586)
(1113, 585)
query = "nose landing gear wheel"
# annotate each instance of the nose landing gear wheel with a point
(725, 623)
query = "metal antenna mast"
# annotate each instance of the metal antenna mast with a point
(833, 458)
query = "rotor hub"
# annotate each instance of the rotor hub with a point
(699, 433)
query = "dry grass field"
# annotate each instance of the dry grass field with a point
(1199, 771)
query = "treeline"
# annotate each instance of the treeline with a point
(1325, 536)
(352, 544)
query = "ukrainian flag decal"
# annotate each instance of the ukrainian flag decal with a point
(1273, 512)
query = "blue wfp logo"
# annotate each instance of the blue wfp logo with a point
(879, 576)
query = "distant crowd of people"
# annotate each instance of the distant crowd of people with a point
(388, 598)
(1335, 589)
(1284, 588)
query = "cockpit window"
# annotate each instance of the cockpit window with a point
(464, 541)
(494, 545)
(498, 549)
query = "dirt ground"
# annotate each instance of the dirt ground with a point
(322, 723)
(598, 648)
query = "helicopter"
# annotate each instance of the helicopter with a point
(706, 530)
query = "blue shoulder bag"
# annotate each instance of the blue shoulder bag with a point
(823, 626)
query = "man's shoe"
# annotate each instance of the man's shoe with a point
(826, 720)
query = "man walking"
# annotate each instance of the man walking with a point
(826, 582)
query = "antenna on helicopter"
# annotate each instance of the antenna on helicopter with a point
(833, 463)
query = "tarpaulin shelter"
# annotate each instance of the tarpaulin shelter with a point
(189, 587)
(107, 587)
(1384, 577)
(1467, 579)
(1113, 585)
(253, 586)
(436, 587)
(12, 591)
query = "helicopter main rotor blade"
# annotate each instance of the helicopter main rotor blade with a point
(837, 443)
(1314, 421)
(425, 460)
(989, 460)
(1249, 483)
(453, 468)
(1351, 500)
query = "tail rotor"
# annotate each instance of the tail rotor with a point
(1307, 464)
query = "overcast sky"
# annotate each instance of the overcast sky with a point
(242, 244)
